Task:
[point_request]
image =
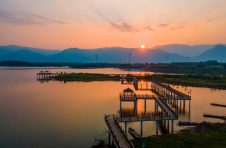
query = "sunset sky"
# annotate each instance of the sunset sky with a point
(58, 24)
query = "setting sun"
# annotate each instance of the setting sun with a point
(142, 46)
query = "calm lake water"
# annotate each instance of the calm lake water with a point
(57, 114)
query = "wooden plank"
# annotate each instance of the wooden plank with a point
(219, 105)
(214, 116)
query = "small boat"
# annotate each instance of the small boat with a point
(134, 134)
(188, 123)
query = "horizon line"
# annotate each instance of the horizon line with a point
(96, 48)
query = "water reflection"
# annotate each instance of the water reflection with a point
(57, 114)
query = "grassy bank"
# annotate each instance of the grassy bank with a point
(87, 77)
(210, 135)
(193, 80)
(184, 80)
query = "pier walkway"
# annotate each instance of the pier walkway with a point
(134, 97)
(166, 108)
(168, 92)
(119, 136)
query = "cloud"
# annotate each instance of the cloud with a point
(116, 21)
(25, 18)
(148, 28)
(164, 25)
(177, 27)
(218, 17)
(123, 26)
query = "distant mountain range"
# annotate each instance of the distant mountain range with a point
(158, 54)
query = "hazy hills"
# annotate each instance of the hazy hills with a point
(185, 50)
(159, 54)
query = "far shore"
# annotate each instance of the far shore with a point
(201, 68)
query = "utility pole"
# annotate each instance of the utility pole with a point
(130, 54)
(96, 56)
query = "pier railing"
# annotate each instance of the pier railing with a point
(134, 97)
(173, 93)
(144, 117)
(127, 139)
(114, 134)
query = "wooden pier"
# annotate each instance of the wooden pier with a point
(128, 95)
(142, 84)
(127, 79)
(119, 139)
(168, 92)
(165, 110)
(174, 98)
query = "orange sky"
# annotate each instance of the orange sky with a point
(59, 24)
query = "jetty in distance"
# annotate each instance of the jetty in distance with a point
(45, 75)
(167, 102)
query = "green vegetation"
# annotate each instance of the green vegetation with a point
(209, 81)
(209, 67)
(211, 135)
(86, 77)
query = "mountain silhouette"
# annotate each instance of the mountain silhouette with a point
(159, 54)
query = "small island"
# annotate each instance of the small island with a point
(86, 77)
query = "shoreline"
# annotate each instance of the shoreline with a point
(205, 81)
(204, 134)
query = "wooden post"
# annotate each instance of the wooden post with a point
(135, 106)
(184, 106)
(172, 128)
(189, 108)
(156, 107)
(168, 125)
(141, 128)
(180, 104)
(109, 138)
(157, 128)
(126, 128)
(120, 106)
(145, 105)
